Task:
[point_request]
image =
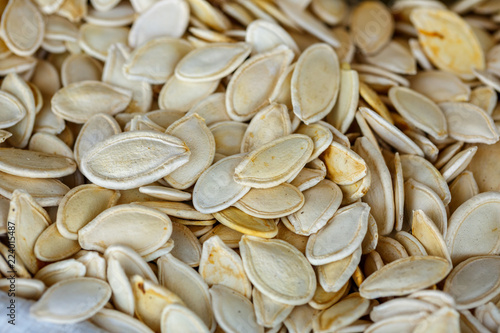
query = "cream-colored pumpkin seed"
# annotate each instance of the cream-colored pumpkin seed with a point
(178, 318)
(120, 15)
(331, 12)
(428, 147)
(321, 203)
(462, 189)
(30, 220)
(268, 312)
(466, 236)
(484, 97)
(115, 226)
(420, 111)
(308, 22)
(368, 39)
(97, 128)
(420, 196)
(165, 193)
(221, 265)
(344, 166)
(390, 249)
(341, 314)
(212, 109)
(201, 146)
(316, 73)
(209, 15)
(233, 311)
(404, 276)
(243, 98)
(403, 323)
(371, 238)
(46, 192)
(443, 319)
(458, 163)
(438, 33)
(76, 102)
(400, 307)
(142, 93)
(94, 263)
(16, 64)
(95, 40)
(309, 176)
(410, 243)
(13, 110)
(336, 274)
(150, 299)
(80, 67)
(344, 109)
(212, 62)
(487, 78)
(395, 57)
(377, 188)
(300, 319)
(144, 61)
(169, 19)
(212, 181)
(278, 270)
(323, 299)
(373, 262)
(60, 270)
(80, 206)
(264, 36)
(428, 234)
(50, 144)
(187, 248)
(274, 162)
(33, 164)
(321, 136)
(117, 322)
(341, 236)
(13, 29)
(419, 169)
(193, 291)
(72, 301)
(25, 288)
(52, 246)
(269, 203)
(228, 137)
(390, 133)
(177, 95)
(236, 219)
(468, 123)
(130, 173)
(270, 123)
(458, 283)
(440, 86)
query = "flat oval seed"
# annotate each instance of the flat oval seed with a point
(132, 159)
(264, 36)
(176, 317)
(77, 101)
(462, 189)
(420, 111)
(278, 270)
(368, 39)
(341, 314)
(444, 36)
(117, 322)
(201, 143)
(269, 313)
(315, 83)
(144, 63)
(341, 236)
(273, 202)
(80, 206)
(25, 287)
(12, 110)
(243, 97)
(462, 284)
(212, 62)
(474, 227)
(468, 123)
(20, 39)
(321, 203)
(233, 311)
(216, 189)
(404, 276)
(72, 300)
(219, 264)
(336, 274)
(52, 246)
(344, 109)
(235, 219)
(275, 162)
(428, 235)
(440, 86)
(32, 164)
(121, 224)
(344, 166)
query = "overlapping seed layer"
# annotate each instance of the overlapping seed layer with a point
(251, 165)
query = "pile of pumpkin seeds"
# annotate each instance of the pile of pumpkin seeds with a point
(252, 165)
